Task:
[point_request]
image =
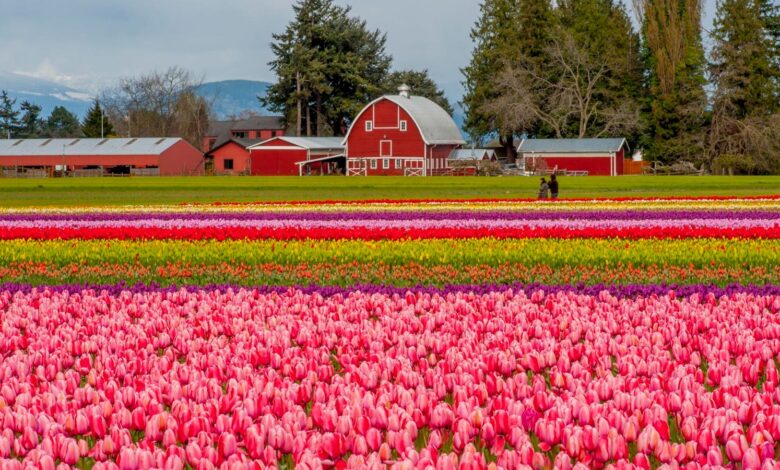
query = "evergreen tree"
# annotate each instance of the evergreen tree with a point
(62, 123)
(745, 71)
(9, 117)
(675, 106)
(328, 65)
(507, 32)
(91, 127)
(30, 124)
(744, 67)
(420, 83)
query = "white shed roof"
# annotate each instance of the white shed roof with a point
(435, 124)
(586, 145)
(309, 143)
(113, 146)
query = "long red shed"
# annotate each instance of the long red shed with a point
(597, 157)
(296, 156)
(401, 135)
(149, 155)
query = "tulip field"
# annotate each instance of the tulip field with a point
(417, 334)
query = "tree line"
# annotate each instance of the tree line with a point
(26, 122)
(578, 68)
(563, 69)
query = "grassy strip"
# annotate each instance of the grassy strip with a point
(171, 190)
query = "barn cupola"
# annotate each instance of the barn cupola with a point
(404, 90)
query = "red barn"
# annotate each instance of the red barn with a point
(142, 156)
(296, 156)
(597, 157)
(401, 135)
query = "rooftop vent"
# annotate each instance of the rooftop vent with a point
(404, 90)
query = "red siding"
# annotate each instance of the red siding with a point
(273, 162)
(594, 165)
(181, 159)
(619, 158)
(234, 151)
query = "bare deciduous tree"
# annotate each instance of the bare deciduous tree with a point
(159, 104)
(564, 94)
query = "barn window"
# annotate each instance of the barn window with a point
(369, 126)
(385, 163)
(398, 163)
(228, 164)
(403, 126)
(239, 134)
(373, 163)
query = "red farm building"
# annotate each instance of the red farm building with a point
(231, 157)
(595, 157)
(94, 157)
(297, 156)
(256, 128)
(401, 135)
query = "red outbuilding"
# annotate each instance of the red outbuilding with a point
(231, 157)
(401, 135)
(297, 156)
(595, 157)
(257, 128)
(143, 156)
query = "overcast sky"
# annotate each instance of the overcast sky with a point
(89, 43)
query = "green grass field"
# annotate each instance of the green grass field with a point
(121, 191)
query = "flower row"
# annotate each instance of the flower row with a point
(379, 273)
(220, 377)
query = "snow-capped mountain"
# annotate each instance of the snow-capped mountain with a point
(45, 93)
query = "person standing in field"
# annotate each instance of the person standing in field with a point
(543, 189)
(553, 187)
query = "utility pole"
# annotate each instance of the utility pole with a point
(101, 123)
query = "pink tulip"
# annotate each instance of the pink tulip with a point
(226, 445)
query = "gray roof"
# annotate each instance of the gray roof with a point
(435, 124)
(216, 128)
(472, 154)
(113, 146)
(311, 143)
(571, 145)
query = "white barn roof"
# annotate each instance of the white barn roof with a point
(309, 143)
(435, 124)
(66, 147)
(571, 145)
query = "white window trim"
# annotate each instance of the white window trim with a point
(373, 163)
(385, 163)
(403, 126)
(369, 126)
(398, 163)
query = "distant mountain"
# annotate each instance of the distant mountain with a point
(232, 97)
(45, 93)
